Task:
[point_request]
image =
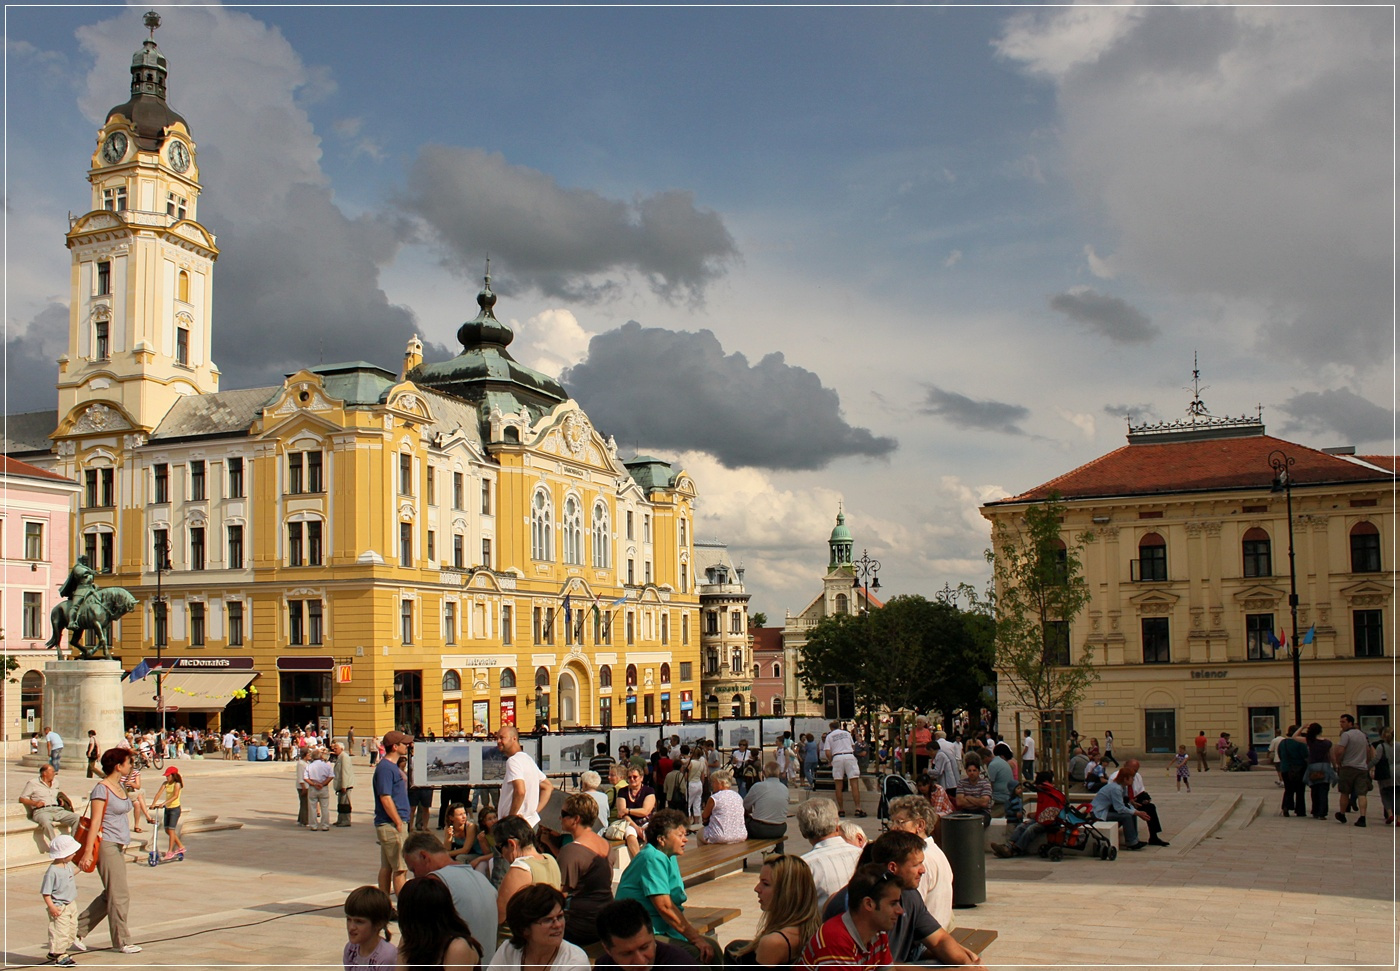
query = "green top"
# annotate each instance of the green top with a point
(650, 874)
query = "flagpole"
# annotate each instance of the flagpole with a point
(162, 550)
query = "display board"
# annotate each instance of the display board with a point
(693, 733)
(569, 753)
(444, 763)
(817, 727)
(644, 737)
(773, 729)
(738, 728)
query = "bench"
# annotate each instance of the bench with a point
(973, 939)
(708, 859)
(704, 919)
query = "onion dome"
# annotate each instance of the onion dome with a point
(147, 109)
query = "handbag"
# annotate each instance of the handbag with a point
(1047, 815)
(617, 830)
(80, 833)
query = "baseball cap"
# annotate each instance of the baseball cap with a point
(396, 738)
(172, 771)
(63, 845)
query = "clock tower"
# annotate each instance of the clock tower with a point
(142, 264)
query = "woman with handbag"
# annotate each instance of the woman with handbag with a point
(1319, 773)
(108, 832)
(93, 754)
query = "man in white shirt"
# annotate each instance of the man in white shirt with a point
(840, 750)
(318, 780)
(831, 859)
(40, 797)
(230, 740)
(1028, 756)
(524, 789)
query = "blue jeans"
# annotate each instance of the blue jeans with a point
(809, 772)
(54, 757)
(1129, 823)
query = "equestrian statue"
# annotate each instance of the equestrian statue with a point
(87, 609)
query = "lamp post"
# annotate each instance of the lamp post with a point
(1283, 482)
(869, 570)
(162, 551)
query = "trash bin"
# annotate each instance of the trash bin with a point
(962, 844)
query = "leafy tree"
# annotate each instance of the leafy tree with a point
(759, 619)
(1038, 590)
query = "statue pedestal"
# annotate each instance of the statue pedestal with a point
(78, 696)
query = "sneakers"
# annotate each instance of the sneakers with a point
(62, 960)
(78, 944)
(1340, 817)
(1002, 851)
(1360, 821)
(130, 948)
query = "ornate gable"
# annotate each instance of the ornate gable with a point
(410, 404)
(95, 418)
(1154, 602)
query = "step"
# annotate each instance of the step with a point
(22, 845)
(1245, 811)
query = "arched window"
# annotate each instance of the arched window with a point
(631, 675)
(777, 670)
(542, 527)
(842, 604)
(573, 531)
(1152, 558)
(777, 706)
(1258, 561)
(602, 546)
(507, 677)
(737, 706)
(183, 286)
(31, 696)
(1059, 562)
(665, 674)
(541, 677)
(755, 672)
(102, 347)
(1365, 548)
(451, 681)
(605, 676)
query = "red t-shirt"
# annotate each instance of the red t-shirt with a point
(835, 946)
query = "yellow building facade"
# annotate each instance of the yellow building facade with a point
(442, 547)
(1186, 558)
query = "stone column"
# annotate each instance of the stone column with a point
(82, 695)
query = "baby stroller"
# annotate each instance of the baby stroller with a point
(1236, 762)
(892, 786)
(1072, 827)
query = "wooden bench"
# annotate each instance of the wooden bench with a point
(972, 938)
(708, 859)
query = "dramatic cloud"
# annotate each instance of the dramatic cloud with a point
(570, 243)
(1109, 316)
(957, 409)
(297, 282)
(31, 361)
(1343, 412)
(550, 341)
(677, 390)
(1239, 153)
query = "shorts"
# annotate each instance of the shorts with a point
(390, 847)
(845, 767)
(172, 817)
(1352, 781)
(420, 796)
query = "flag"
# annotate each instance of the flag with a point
(568, 613)
(139, 672)
(1282, 638)
(1273, 641)
(595, 606)
(1308, 637)
(620, 600)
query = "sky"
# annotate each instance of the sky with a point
(899, 261)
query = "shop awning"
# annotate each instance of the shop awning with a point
(190, 692)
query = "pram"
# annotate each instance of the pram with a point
(1236, 762)
(1070, 827)
(892, 786)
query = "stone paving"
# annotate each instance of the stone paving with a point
(1262, 892)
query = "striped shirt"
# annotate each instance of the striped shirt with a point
(835, 945)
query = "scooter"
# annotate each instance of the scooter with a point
(154, 858)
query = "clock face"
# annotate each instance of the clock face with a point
(179, 156)
(114, 148)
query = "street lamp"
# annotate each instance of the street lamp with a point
(162, 551)
(1283, 482)
(869, 570)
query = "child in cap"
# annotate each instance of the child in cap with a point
(60, 892)
(169, 798)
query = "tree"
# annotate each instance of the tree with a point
(1038, 590)
(759, 619)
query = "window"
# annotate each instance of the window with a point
(313, 544)
(507, 677)
(182, 346)
(162, 632)
(777, 706)
(104, 277)
(406, 621)
(162, 480)
(685, 629)
(646, 528)
(432, 544)
(646, 571)
(33, 615)
(630, 534)
(486, 497)
(196, 547)
(631, 675)
(235, 623)
(605, 676)
(605, 712)
(114, 199)
(685, 577)
(313, 472)
(102, 349)
(1366, 633)
(197, 487)
(100, 488)
(541, 528)
(777, 670)
(160, 544)
(1059, 563)
(843, 604)
(449, 622)
(1258, 561)
(682, 529)
(457, 490)
(685, 670)
(736, 661)
(451, 681)
(546, 625)
(175, 207)
(712, 661)
(665, 674)
(295, 549)
(486, 553)
(736, 622)
(405, 544)
(235, 478)
(431, 490)
(459, 555)
(303, 472)
(405, 475)
(631, 571)
(90, 548)
(196, 624)
(1365, 548)
(1152, 558)
(542, 678)
(1258, 636)
(182, 284)
(296, 622)
(573, 531)
(631, 628)
(106, 555)
(711, 622)
(1156, 641)
(507, 623)
(1057, 642)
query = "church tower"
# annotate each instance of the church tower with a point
(142, 265)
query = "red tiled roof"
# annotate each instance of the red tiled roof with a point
(1384, 461)
(768, 639)
(1223, 463)
(9, 466)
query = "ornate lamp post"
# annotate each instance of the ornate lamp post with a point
(162, 551)
(868, 570)
(1283, 482)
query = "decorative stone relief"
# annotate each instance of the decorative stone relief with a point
(1261, 603)
(1197, 617)
(1195, 529)
(407, 511)
(99, 418)
(1215, 617)
(1154, 608)
(577, 431)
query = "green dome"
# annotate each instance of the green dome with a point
(841, 534)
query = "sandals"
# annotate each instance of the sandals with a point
(861, 813)
(841, 814)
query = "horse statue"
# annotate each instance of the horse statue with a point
(88, 608)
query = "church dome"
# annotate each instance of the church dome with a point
(147, 108)
(841, 534)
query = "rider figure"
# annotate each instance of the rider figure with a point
(77, 588)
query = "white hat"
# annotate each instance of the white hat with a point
(63, 845)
